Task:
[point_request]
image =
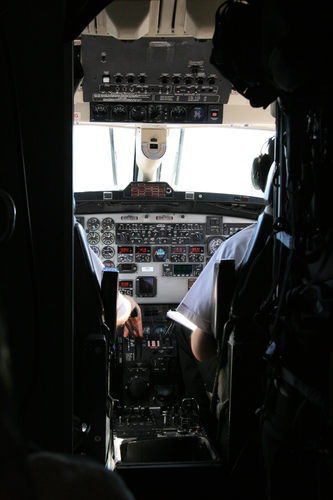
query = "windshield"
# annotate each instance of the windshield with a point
(207, 159)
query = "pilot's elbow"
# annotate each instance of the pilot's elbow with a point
(203, 345)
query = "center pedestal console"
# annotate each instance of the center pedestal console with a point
(158, 442)
(164, 449)
(161, 435)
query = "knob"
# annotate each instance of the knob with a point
(138, 113)
(137, 386)
(164, 79)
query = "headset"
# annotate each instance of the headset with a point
(262, 164)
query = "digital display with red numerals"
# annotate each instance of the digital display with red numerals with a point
(125, 249)
(178, 250)
(142, 249)
(125, 284)
(127, 267)
(196, 249)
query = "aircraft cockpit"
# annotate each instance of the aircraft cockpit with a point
(162, 155)
(154, 151)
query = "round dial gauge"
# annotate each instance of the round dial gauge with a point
(155, 113)
(160, 254)
(119, 113)
(213, 244)
(108, 263)
(92, 224)
(161, 329)
(178, 113)
(99, 112)
(107, 252)
(138, 113)
(108, 238)
(108, 224)
(95, 250)
(93, 238)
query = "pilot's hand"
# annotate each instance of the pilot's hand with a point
(134, 323)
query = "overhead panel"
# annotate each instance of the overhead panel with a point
(152, 80)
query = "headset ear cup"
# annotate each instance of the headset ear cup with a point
(265, 165)
(271, 149)
(255, 172)
(261, 166)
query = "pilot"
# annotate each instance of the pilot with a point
(128, 311)
(197, 305)
(197, 346)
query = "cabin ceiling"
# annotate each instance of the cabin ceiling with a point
(133, 19)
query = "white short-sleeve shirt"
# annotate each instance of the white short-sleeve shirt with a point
(197, 304)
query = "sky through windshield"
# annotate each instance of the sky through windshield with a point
(216, 160)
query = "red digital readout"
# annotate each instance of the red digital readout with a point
(125, 249)
(142, 250)
(125, 284)
(178, 249)
(126, 267)
(196, 249)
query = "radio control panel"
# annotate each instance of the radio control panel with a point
(160, 233)
(182, 270)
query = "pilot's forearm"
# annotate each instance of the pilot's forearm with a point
(131, 319)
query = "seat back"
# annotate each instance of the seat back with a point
(91, 353)
(88, 304)
(254, 277)
(240, 386)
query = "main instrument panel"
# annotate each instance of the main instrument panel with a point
(159, 256)
(160, 241)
